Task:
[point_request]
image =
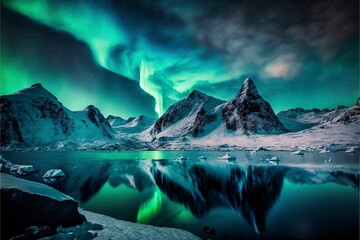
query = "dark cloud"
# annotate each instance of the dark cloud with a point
(172, 47)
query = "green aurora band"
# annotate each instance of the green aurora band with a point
(169, 75)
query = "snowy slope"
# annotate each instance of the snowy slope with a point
(345, 116)
(134, 125)
(115, 121)
(342, 130)
(187, 117)
(293, 125)
(303, 115)
(297, 119)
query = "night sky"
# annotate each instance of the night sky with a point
(139, 57)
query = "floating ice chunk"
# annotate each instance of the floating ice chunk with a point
(228, 156)
(202, 158)
(54, 173)
(351, 150)
(181, 157)
(325, 150)
(22, 169)
(16, 169)
(273, 160)
(299, 152)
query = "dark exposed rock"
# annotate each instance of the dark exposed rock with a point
(49, 109)
(9, 124)
(99, 120)
(351, 115)
(249, 112)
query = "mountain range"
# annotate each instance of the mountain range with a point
(199, 114)
(33, 117)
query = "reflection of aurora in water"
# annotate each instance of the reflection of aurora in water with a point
(186, 191)
(149, 209)
(238, 199)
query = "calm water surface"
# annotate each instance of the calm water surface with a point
(303, 197)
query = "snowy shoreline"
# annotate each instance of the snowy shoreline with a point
(119, 229)
(192, 146)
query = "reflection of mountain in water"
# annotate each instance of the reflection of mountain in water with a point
(252, 191)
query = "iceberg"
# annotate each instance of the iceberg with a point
(299, 152)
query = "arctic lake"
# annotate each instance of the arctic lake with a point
(311, 196)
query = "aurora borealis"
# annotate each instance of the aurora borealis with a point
(139, 57)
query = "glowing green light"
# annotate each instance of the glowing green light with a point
(100, 32)
(148, 86)
(150, 208)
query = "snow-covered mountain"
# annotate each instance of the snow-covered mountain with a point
(34, 116)
(344, 115)
(301, 115)
(34, 119)
(340, 128)
(115, 121)
(187, 117)
(132, 126)
(250, 113)
(199, 115)
(297, 119)
(139, 122)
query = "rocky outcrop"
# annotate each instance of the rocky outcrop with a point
(29, 204)
(250, 113)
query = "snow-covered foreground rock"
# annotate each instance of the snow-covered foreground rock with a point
(26, 203)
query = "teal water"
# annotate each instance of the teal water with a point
(304, 197)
